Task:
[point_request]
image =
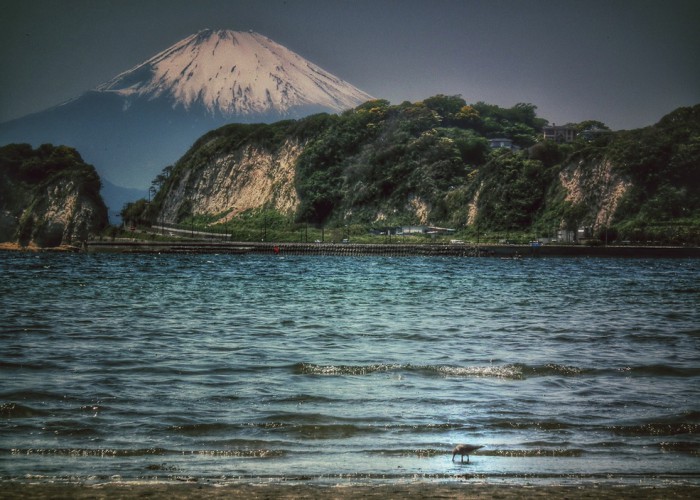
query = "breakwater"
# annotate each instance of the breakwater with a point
(389, 250)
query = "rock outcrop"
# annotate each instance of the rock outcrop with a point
(597, 186)
(48, 197)
(250, 178)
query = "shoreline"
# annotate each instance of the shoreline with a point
(418, 490)
(126, 246)
(391, 250)
(33, 248)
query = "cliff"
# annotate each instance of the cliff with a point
(432, 163)
(231, 171)
(245, 179)
(595, 185)
(48, 196)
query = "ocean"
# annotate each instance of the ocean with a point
(259, 368)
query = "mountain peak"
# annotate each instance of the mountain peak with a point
(235, 73)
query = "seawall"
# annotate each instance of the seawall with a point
(389, 250)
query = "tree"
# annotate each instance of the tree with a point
(135, 213)
(447, 107)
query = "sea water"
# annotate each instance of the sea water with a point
(348, 369)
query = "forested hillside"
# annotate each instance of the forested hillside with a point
(431, 162)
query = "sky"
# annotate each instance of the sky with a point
(626, 63)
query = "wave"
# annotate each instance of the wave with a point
(6, 365)
(332, 431)
(547, 425)
(537, 452)
(689, 447)
(306, 398)
(17, 410)
(410, 452)
(117, 453)
(346, 430)
(656, 429)
(515, 371)
(312, 427)
(89, 452)
(14, 410)
(661, 371)
(692, 415)
(200, 429)
(674, 426)
(312, 369)
(278, 453)
(25, 329)
(25, 395)
(518, 453)
(509, 371)
(72, 428)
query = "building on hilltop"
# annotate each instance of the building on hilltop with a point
(559, 133)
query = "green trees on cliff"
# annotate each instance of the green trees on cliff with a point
(377, 157)
(432, 161)
(48, 195)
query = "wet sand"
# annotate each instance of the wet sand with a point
(171, 491)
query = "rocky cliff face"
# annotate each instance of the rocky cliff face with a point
(229, 184)
(595, 185)
(67, 217)
(48, 197)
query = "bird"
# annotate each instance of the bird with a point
(464, 449)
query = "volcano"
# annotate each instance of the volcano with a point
(144, 119)
(237, 75)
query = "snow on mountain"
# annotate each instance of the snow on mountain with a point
(146, 118)
(233, 73)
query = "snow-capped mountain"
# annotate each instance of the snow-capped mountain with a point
(235, 73)
(144, 119)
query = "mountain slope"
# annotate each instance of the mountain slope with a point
(236, 74)
(144, 119)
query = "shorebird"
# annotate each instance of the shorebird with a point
(464, 449)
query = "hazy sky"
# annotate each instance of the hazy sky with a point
(624, 62)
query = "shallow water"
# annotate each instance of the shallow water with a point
(337, 368)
